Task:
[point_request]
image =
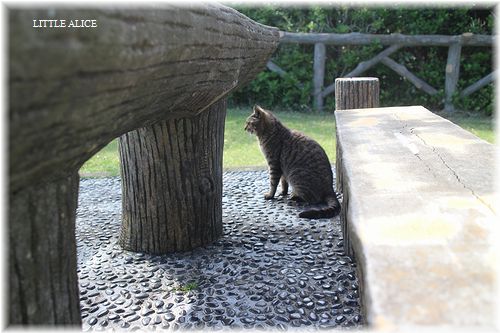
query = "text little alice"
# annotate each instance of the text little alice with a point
(64, 23)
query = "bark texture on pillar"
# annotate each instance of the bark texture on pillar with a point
(172, 183)
(356, 93)
(43, 283)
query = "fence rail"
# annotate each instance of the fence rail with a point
(395, 42)
(356, 38)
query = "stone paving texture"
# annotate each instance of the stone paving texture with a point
(421, 218)
(270, 270)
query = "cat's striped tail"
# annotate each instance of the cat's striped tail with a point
(332, 209)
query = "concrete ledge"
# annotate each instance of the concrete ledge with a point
(420, 219)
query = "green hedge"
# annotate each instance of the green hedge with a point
(427, 63)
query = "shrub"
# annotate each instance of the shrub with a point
(427, 63)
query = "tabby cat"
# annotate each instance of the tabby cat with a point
(297, 160)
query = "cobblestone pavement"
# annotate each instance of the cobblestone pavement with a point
(270, 270)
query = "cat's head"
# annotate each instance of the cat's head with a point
(258, 121)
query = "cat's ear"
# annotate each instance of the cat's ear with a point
(258, 110)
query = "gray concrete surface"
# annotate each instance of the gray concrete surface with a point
(421, 218)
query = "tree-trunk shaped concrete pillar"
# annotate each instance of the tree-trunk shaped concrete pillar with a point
(72, 91)
(351, 93)
(43, 284)
(172, 183)
(356, 93)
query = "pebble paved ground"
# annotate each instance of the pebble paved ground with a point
(270, 270)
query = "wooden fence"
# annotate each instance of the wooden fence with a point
(394, 42)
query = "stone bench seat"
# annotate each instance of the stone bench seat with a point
(419, 217)
(157, 77)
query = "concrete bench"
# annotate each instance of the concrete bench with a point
(155, 76)
(420, 217)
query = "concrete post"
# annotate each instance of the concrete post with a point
(352, 93)
(356, 93)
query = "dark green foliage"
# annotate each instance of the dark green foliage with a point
(428, 63)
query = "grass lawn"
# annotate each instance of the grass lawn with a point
(241, 150)
(105, 163)
(482, 127)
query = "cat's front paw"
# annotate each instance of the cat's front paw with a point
(268, 196)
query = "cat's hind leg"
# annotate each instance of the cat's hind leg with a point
(296, 197)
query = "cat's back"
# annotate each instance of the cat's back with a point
(306, 147)
(306, 167)
(302, 152)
